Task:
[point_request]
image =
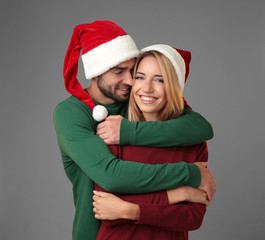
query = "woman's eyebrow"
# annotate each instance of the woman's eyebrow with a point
(157, 75)
(140, 73)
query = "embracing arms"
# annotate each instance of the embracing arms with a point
(154, 209)
(189, 129)
(157, 209)
(80, 145)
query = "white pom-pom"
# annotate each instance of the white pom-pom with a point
(99, 113)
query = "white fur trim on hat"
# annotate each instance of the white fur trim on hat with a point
(175, 58)
(108, 55)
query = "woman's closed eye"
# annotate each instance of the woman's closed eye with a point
(159, 80)
(139, 78)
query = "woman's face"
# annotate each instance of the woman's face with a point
(148, 88)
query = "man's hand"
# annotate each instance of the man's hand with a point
(109, 130)
(208, 183)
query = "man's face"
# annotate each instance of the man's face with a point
(116, 83)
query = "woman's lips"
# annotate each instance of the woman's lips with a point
(148, 99)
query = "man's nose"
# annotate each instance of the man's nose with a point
(128, 78)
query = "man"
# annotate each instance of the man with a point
(108, 55)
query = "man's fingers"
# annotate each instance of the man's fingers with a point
(207, 202)
(107, 141)
(205, 164)
(106, 138)
(211, 191)
(201, 164)
(109, 130)
(100, 194)
(101, 125)
(208, 183)
(95, 197)
(209, 195)
(106, 127)
(103, 136)
(113, 117)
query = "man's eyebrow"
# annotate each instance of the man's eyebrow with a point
(119, 68)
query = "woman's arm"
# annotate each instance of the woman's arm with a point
(187, 194)
(153, 209)
(179, 217)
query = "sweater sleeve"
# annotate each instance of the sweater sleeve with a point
(180, 217)
(189, 129)
(155, 209)
(77, 140)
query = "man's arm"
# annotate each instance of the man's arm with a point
(77, 139)
(189, 129)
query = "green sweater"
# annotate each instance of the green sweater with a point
(87, 159)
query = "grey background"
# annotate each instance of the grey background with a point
(226, 85)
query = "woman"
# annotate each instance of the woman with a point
(159, 78)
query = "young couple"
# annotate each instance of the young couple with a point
(162, 191)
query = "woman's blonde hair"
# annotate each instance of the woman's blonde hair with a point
(175, 104)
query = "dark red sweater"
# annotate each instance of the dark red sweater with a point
(158, 219)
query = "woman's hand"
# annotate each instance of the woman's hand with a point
(188, 194)
(107, 206)
(109, 130)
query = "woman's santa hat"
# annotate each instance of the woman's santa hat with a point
(180, 60)
(104, 45)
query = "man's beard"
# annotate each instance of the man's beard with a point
(108, 92)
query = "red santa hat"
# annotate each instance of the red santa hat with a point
(104, 45)
(180, 60)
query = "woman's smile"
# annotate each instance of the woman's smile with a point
(148, 99)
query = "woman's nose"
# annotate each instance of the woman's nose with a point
(148, 87)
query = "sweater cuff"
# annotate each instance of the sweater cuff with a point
(145, 212)
(126, 131)
(194, 179)
(149, 211)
